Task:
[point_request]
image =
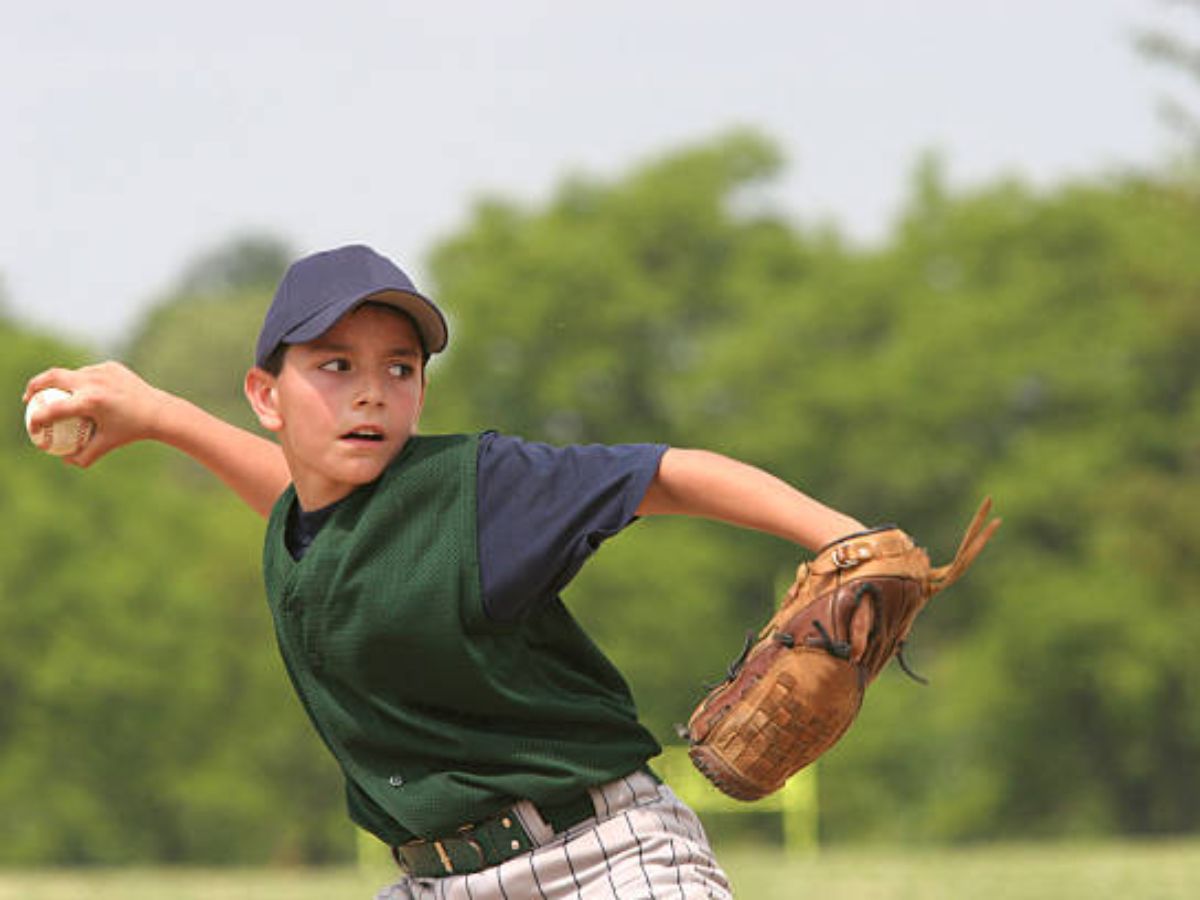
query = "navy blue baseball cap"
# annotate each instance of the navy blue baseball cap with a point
(319, 289)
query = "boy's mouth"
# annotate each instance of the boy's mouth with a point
(369, 434)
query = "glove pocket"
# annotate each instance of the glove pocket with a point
(748, 739)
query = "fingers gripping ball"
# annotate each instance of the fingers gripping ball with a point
(61, 437)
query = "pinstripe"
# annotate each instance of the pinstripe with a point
(674, 859)
(641, 852)
(687, 824)
(574, 878)
(607, 863)
(633, 797)
(678, 821)
(500, 881)
(537, 882)
(603, 795)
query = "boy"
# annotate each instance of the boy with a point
(414, 585)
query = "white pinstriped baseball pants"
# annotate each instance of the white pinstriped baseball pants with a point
(644, 844)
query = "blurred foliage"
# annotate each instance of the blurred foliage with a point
(144, 716)
(1169, 44)
(1037, 345)
(1044, 352)
(198, 339)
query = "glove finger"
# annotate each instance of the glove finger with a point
(861, 624)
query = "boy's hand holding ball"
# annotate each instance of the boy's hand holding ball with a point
(62, 437)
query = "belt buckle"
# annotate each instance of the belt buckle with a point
(444, 857)
(463, 838)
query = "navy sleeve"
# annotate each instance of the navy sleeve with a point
(544, 510)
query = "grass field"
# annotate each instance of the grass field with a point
(1130, 871)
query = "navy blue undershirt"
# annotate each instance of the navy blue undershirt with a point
(541, 512)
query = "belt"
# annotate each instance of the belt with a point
(488, 843)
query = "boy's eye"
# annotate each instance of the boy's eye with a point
(335, 365)
(400, 370)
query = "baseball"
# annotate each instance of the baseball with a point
(68, 435)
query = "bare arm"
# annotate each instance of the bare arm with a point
(127, 409)
(701, 483)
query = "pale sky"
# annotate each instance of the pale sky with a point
(140, 134)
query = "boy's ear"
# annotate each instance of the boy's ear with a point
(259, 388)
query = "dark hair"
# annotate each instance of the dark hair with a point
(273, 364)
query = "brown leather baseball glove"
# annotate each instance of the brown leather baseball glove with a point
(799, 684)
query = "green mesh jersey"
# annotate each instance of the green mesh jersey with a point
(437, 715)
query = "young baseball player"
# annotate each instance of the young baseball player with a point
(414, 584)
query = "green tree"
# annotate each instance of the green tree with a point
(145, 714)
(198, 340)
(1043, 353)
(1169, 47)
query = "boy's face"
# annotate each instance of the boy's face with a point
(344, 404)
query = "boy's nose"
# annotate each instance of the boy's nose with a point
(369, 390)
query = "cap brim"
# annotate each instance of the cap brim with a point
(428, 317)
(429, 320)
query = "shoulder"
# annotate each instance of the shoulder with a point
(520, 470)
(505, 448)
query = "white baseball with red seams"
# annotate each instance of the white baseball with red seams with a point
(68, 435)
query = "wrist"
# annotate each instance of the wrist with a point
(837, 531)
(164, 414)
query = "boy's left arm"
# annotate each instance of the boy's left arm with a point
(712, 486)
